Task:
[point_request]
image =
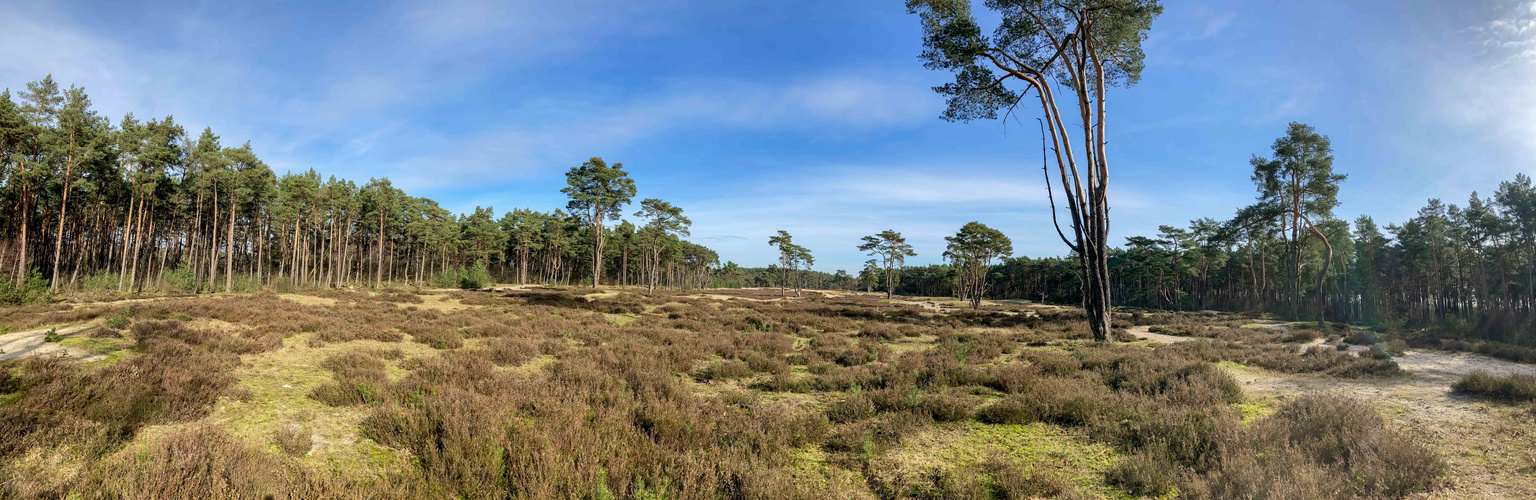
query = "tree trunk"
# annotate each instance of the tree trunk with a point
(229, 249)
(122, 269)
(58, 243)
(213, 241)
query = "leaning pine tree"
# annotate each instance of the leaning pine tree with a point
(1083, 46)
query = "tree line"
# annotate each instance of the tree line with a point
(1466, 270)
(142, 205)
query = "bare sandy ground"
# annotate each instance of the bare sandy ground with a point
(30, 344)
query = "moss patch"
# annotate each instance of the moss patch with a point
(1037, 445)
(279, 383)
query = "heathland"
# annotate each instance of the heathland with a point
(547, 392)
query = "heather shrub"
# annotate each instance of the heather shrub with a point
(946, 407)
(723, 370)
(510, 351)
(1512, 388)
(1328, 445)
(852, 408)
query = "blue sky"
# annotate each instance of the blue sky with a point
(809, 116)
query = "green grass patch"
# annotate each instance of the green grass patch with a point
(1064, 452)
(1254, 410)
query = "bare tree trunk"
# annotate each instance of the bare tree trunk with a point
(138, 242)
(58, 243)
(378, 272)
(261, 247)
(122, 270)
(213, 241)
(229, 249)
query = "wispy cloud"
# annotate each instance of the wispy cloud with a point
(1511, 36)
(820, 108)
(1280, 95)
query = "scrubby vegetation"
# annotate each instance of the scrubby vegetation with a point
(1512, 388)
(549, 393)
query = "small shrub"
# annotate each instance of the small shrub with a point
(33, 290)
(1011, 482)
(1513, 388)
(1325, 446)
(1359, 337)
(446, 339)
(1052, 362)
(52, 336)
(197, 462)
(475, 277)
(1008, 411)
(1144, 474)
(946, 407)
(852, 408)
(359, 377)
(294, 439)
(759, 362)
(897, 398)
(724, 370)
(1016, 377)
(510, 351)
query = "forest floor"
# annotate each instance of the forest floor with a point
(839, 394)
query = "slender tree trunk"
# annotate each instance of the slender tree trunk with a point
(229, 249)
(138, 242)
(58, 243)
(122, 270)
(378, 273)
(213, 241)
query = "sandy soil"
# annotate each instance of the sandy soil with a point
(30, 344)
(1145, 332)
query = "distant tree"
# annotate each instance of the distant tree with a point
(481, 234)
(840, 279)
(800, 257)
(597, 193)
(381, 195)
(246, 177)
(972, 250)
(869, 277)
(521, 227)
(1517, 200)
(663, 221)
(624, 233)
(1298, 189)
(730, 275)
(892, 250)
(1083, 45)
(787, 249)
(791, 257)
